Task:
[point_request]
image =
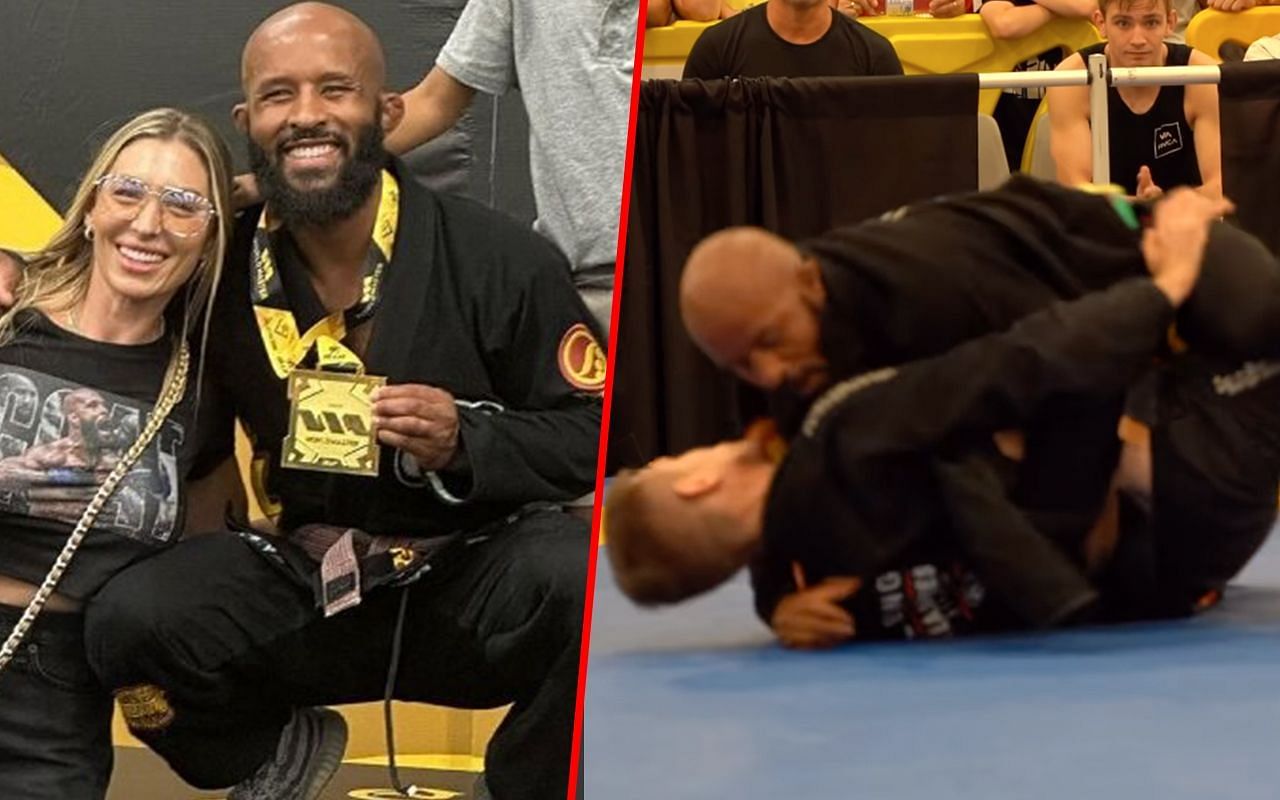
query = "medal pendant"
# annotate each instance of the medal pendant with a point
(331, 423)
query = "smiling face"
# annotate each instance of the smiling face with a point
(315, 112)
(1135, 32)
(139, 259)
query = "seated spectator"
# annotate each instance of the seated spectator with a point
(1013, 19)
(1160, 136)
(790, 39)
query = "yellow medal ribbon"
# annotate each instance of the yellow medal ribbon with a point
(286, 347)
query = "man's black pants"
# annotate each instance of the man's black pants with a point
(235, 642)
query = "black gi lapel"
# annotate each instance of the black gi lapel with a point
(409, 275)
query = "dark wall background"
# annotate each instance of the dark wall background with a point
(70, 72)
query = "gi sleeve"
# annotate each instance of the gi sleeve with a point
(1234, 311)
(771, 580)
(480, 52)
(215, 417)
(1091, 347)
(542, 350)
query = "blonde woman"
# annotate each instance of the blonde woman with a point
(96, 334)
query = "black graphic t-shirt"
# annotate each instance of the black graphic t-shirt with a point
(69, 409)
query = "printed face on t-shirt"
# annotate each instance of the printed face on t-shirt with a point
(59, 441)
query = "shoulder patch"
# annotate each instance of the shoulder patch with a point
(581, 359)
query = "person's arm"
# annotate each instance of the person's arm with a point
(213, 486)
(1070, 142)
(1202, 113)
(657, 14)
(1089, 347)
(1006, 21)
(814, 617)
(432, 107)
(944, 9)
(697, 10)
(1078, 9)
(1236, 5)
(479, 56)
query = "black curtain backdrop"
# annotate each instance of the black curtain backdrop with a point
(1249, 99)
(794, 156)
(73, 72)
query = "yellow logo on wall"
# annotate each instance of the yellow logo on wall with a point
(27, 220)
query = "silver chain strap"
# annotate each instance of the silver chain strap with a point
(170, 395)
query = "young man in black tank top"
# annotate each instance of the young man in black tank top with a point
(1160, 136)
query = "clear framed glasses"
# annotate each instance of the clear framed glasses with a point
(182, 212)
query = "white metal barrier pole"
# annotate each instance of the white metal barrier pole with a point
(1133, 76)
(1099, 125)
(1165, 76)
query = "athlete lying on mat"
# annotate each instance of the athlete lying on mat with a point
(968, 479)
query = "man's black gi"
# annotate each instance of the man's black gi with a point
(478, 305)
(859, 492)
(923, 279)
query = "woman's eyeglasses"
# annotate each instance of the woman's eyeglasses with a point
(183, 212)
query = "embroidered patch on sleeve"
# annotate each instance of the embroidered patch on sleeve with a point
(581, 359)
(144, 707)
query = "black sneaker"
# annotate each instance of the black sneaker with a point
(310, 750)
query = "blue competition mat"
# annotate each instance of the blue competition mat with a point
(697, 702)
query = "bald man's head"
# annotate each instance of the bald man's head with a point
(316, 112)
(750, 300)
(312, 23)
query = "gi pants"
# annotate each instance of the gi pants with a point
(235, 643)
(55, 718)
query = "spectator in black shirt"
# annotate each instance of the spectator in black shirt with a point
(790, 39)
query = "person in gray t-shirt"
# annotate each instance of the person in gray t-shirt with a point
(573, 63)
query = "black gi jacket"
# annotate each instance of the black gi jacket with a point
(472, 302)
(859, 491)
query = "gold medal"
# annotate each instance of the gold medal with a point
(330, 413)
(331, 423)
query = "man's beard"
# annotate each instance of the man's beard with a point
(99, 436)
(356, 179)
